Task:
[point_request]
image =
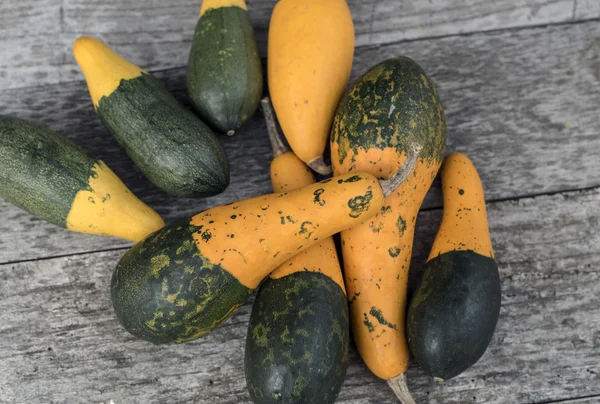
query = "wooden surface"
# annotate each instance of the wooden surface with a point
(520, 81)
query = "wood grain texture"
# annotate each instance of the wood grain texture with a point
(60, 342)
(36, 35)
(522, 105)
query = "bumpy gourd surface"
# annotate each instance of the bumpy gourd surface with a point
(172, 147)
(41, 171)
(297, 345)
(391, 108)
(164, 290)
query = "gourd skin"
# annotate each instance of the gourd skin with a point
(53, 179)
(224, 77)
(453, 314)
(298, 331)
(310, 51)
(170, 145)
(390, 109)
(183, 281)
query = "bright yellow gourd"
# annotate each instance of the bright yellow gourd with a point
(311, 46)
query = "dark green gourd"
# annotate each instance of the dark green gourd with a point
(224, 77)
(297, 343)
(170, 145)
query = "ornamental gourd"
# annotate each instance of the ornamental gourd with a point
(311, 46)
(454, 311)
(299, 322)
(169, 144)
(224, 75)
(391, 115)
(184, 280)
(53, 179)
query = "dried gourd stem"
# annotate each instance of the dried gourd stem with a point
(277, 144)
(389, 186)
(318, 165)
(398, 385)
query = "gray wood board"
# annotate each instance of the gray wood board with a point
(36, 35)
(60, 341)
(522, 105)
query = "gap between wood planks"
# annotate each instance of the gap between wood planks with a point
(566, 193)
(581, 399)
(377, 45)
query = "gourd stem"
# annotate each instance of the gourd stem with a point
(398, 385)
(277, 144)
(318, 165)
(389, 186)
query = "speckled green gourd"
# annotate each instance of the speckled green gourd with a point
(297, 343)
(396, 100)
(171, 146)
(224, 77)
(41, 171)
(181, 304)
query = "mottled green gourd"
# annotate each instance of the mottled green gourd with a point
(224, 76)
(297, 344)
(298, 335)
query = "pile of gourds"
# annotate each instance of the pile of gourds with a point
(180, 281)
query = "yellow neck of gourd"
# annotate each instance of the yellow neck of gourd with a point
(103, 69)
(209, 4)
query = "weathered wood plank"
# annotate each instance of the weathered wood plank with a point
(36, 35)
(522, 105)
(60, 342)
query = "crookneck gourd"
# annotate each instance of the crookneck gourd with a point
(184, 280)
(453, 313)
(391, 115)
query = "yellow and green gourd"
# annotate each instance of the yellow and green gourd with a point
(169, 144)
(53, 179)
(184, 280)
(454, 311)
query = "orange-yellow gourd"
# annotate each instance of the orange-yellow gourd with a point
(288, 172)
(310, 51)
(454, 311)
(464, 225)
(391, 115)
